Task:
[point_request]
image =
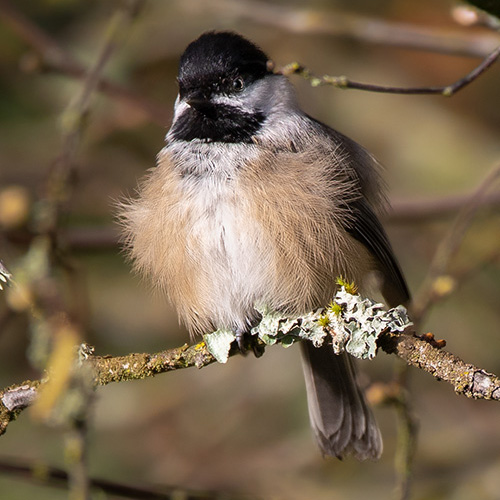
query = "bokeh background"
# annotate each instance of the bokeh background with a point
(243, 427)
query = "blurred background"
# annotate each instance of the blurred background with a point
(243, 427)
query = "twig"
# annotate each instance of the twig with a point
(297, 20)
(74, 115)
(76, 459)
(49, 313)
(467, 379)
(343, 82)
(76, 442)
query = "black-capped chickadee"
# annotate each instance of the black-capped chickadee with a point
(255, 202)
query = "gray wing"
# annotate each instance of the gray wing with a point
(367, 229)
(365, 225)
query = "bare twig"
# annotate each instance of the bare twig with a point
(50, 316)
(290, 18)
(343, 82)
(74, 115)
(76, 442)
(76, 457)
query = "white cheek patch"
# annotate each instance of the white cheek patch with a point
(225, 100)
(180, 107)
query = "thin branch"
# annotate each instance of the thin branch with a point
(47, 303)
(297, 20)
(343, 82)
(138, 366)
(79, 483)
(427, 297)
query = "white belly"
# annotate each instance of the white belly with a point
(232, 258)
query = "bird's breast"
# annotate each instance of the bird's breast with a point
(231, 259)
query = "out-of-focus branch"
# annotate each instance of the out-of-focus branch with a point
(430, 292)
(74, 116)
(58, 59)
(53, 476)
(407, 438)
(416, 211)
(66, 394)
(402, 212)
(450, 245)
(303, 20)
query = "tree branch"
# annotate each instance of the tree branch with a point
(466, 379)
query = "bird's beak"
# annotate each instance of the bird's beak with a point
(199, 103)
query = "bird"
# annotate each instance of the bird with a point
(253, 201)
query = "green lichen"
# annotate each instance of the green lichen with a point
(352, 323)
(219, 344)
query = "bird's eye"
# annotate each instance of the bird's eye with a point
(238, 84)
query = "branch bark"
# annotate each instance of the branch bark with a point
(466, 379)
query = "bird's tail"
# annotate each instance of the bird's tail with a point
(340, 416)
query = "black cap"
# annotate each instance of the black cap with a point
(216, 55)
